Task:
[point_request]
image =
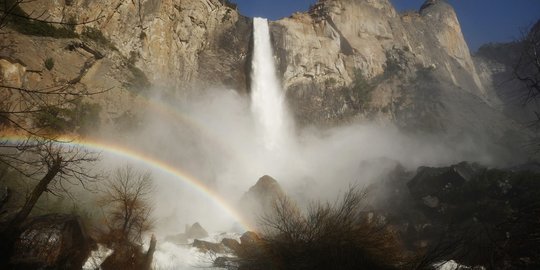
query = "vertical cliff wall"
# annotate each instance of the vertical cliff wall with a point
(177, 44)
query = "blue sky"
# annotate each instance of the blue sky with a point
(482, 20)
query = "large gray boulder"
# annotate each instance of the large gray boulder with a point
(259, 199)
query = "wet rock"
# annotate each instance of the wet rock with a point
(439, 181)
(4, 196)
(249, 239)
(205, 246)
(227, 262)
(479, 213)
(52, 242)
(231, 244)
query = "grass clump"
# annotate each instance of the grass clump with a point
(49, 63)
(138, 81)
(77, 116)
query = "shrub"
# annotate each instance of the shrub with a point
(328, 236)
(229, 4)
(49, 63)
(361, 88)
(77, 117)
(138, 82)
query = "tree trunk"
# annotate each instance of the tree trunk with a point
(9, 234)
(150, 254)
(36, 193)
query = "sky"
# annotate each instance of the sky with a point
(482, 21)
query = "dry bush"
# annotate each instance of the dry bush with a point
(328, 236)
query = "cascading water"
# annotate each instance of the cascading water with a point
(267, 100)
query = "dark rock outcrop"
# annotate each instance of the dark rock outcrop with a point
(249, 239)
(432, 183)
(5, 193)
(227, 262)
(477, 215)
(52, 242)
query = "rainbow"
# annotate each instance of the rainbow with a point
(154, 163)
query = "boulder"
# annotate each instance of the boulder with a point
(260, 198)
(52, 242)
(196, 231)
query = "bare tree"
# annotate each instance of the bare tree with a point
(527, 67)
(127, 203)
(52, 165)
(127, 198)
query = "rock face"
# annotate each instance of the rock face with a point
(127, 49)
(343, 60)
(51, 242)
(346, 59)
(175, 43)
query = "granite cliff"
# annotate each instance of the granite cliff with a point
(341, 61)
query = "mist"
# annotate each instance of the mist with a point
(215, 138)
(226, 141)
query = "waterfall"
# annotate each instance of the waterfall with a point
(267, 99)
